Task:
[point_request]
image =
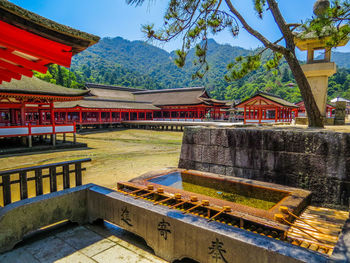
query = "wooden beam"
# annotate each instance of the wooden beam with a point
(5, 77)
(10, 74)
(34, 45)
(16, 69)
(6, 54)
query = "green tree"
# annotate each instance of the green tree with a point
(195, 19)
(285, 76)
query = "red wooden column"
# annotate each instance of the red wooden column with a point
(145, 115)
(13, 120)
(99, 116)
(245, 115)
(52, 113)
(23, 115)
(80, 116)
(259, 114)
(276, 117)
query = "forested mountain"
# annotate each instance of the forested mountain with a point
(138, 64)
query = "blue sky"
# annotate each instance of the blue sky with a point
(110, 18)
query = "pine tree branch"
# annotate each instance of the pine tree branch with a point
(255, 33)
(282, 24)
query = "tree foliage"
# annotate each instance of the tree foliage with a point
(195, 19)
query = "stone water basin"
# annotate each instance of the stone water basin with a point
(255, 198)
(248, 204)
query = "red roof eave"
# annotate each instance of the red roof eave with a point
(22, 51)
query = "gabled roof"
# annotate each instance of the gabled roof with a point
(96, 103)
(37, 86)
(111, 92)
(182, 96)
(31, 22)
(301, 104)
(272, 98)
(339, 99)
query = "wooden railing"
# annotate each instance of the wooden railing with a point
(21, 177)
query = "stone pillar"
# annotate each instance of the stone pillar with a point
(30, 142)
(317, 74)
(340, 113)
(53, 139)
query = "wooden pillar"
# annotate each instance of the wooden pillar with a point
(245, 115)
(145, 115)
(23, 115)
(80, 117)
(52, 113)
(259, 113)
(110, 116)
(276, 112)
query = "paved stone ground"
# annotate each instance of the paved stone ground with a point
(104, 243)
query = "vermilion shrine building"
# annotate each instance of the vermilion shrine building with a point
(302, 111)
(194, 104)
(105, 104)
(30, 42)
(267, 108)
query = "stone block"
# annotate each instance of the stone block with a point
(192, 152)
(346, 140)
(230, 171)
(242, 158)
(217, 169)
(186, 164)
(218, 137)
(201, 136)
(210, 154)
(204, 167)
(340, 113)
(188, 135)
(272, 141)
(185, 151)
(268, 160)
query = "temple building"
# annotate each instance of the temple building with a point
(185, 104)
(301, 112)
(267, 108)
(106, 104)
(30, 42)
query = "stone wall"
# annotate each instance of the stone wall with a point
(311, 159)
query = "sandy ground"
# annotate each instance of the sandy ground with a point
(116, 156)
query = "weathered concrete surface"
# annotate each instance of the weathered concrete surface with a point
(23, 217)
(173, 235)
(316, 160)
(341, 251)
(84, 244)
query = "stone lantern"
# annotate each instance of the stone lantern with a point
(318, 67)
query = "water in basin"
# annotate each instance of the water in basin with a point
(262, 199)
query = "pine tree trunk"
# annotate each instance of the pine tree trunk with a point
(313, 113)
